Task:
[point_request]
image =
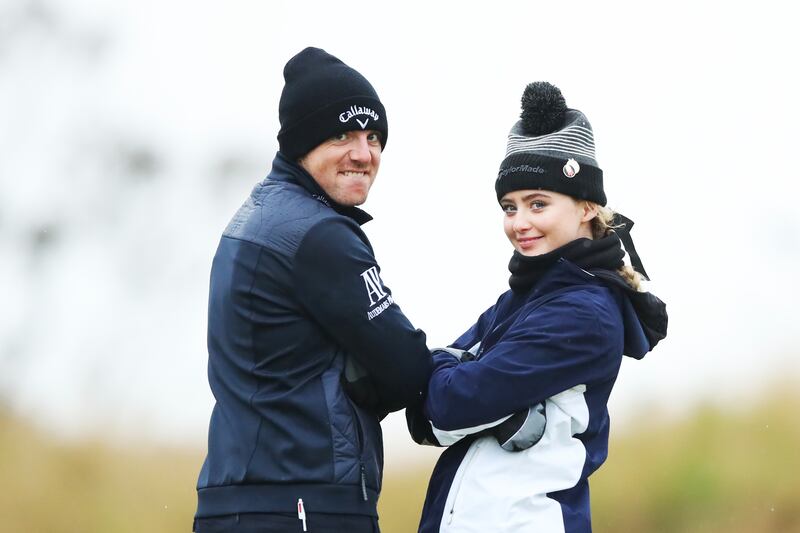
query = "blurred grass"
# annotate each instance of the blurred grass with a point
(51, 486)
(715, 471)
(712, 472)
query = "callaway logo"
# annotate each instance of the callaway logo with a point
(322, 199)
(358, 110)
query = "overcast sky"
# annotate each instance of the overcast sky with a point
(131, 131)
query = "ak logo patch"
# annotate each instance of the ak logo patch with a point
(372, 282)
(376, 292)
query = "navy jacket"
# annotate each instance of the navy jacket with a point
(295, 291)
(560, 344)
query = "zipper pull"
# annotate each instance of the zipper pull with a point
(364, 481)
(301, 513)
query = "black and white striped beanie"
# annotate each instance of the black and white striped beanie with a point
(551, 148)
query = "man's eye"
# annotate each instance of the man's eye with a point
(340, 137)
(374, 137)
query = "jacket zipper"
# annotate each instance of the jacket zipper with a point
(301, 513)
(473, 452)
(362, 466)
(363, 480)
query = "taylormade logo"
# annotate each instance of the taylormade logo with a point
(521, 168)
(354, 111)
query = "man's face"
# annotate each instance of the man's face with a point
(345, 165)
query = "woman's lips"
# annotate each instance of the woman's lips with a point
(527, 242)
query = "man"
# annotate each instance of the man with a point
(296, 304)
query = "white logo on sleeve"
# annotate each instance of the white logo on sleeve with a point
(374, 285)
(376, 292)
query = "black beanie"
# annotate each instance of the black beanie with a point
(551, 147)
(323, 97)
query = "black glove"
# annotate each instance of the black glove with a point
(522, 430)
(418, 425)
(358, 385)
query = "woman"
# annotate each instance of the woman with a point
(521, 397)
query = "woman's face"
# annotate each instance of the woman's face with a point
(537, 222)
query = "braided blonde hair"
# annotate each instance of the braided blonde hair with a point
(602, 226)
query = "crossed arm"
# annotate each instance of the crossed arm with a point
(555, 347)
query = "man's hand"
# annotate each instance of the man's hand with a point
(358, 385)
(419, 427)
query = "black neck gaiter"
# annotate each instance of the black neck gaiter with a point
(605, 253)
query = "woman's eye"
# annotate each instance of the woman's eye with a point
(508, 208)
(538, 205)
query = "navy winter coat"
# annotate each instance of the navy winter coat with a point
(560, 345)
(295, 290)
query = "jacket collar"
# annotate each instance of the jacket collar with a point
(563, 273)
(286, 170)
(644, 315)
